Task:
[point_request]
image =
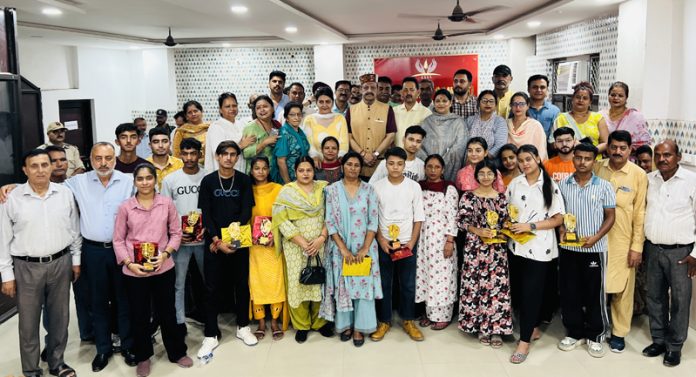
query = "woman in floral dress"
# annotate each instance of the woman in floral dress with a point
(351, 219)
(436, 270)
(484, 306)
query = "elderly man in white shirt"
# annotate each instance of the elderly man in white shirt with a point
(39, 227)
(670, 231)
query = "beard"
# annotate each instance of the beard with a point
(460, 91)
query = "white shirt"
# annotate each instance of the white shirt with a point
(35, 226)
(414, 169)
(219, 131)
(670, 214)
(530, 201)
(401, 205)
(407, 118)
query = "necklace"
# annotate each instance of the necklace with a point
(223, 187)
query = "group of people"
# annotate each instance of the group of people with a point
(314, 209)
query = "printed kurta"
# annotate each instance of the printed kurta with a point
(292, 144)
(350, 218)
(484, 305)
(436, 276)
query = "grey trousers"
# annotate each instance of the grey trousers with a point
(669, 319)
(37, 282)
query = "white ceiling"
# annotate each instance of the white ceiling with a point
(129, 23)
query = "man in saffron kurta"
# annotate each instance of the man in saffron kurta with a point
(371, 126)
(627, 235)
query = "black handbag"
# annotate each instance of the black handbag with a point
(311, 275)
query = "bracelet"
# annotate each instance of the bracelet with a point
(128, 264)
(169, 255)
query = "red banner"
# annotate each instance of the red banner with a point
(439, 69)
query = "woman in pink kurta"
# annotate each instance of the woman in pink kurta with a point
(621, 117)
(476, 151)
(150, 218)
(523, 129)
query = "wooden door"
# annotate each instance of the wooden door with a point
(76, 115)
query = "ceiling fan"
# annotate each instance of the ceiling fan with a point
(169, 42)
(458, 15)
(440, 35)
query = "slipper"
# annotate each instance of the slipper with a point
(278, 334)
(346, 335)
(260, 334)
(484, 339)
(496, 341)
(63, 370)
(439, 326)
(518, 357)
(424, 322)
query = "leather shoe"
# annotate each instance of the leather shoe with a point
(672, 358)
(129, 357)
(654, 350)
(100, 361)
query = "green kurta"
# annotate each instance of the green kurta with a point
(249, 152)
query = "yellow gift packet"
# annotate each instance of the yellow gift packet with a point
(357, 269)
(236, 233)
(521, 238)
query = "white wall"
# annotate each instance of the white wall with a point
(328, 64)
(520, 49)
(630, 49)
(48, 66)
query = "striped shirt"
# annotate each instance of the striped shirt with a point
(587, 203)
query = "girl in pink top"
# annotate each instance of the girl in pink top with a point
(476, 151)
(150, 217)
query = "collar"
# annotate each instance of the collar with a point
(593, 181)
(26, 190)
(414, 108)
(92, 176)
(606, 165)
(133, 202)
(681, 173)
(540, 180)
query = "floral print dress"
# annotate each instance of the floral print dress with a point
(436, 276)
(484, 305)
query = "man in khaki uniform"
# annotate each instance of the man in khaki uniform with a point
(627, 235)
(371, 125)
(56, 136)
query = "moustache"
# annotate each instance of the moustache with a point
(500, 82)
(616, 155)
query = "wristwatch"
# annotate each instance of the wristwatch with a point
(376, 154)
(533, 226)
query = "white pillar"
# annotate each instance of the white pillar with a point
(328, 63)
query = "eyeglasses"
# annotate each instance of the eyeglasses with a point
(486, 175)
(487, 101)
(518, 104)
(461, 81)
(294, 115)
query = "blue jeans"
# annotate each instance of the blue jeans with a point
(182, 257)
(406, 272)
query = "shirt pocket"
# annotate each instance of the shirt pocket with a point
(625, 197)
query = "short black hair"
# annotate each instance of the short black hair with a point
(418, 130)
(125, 127)
(483, 93)
(463, 72)
(354, 86)
(190, 143)
(181, 115)
(296, 84)
(443, 92)
(318, 85)
(330, 138)
(158, 131)
(586, 147)
(620, 135)
(341, 82)
(409, 79)
(289, 106)
(384, 79)
(54, 148)
(396, 88)
(485, 163)
(478, 140)
(222, 147)
(537, 77)
(194, 103)
(33, 153)
(396, 152)
(273, 74)
(563, 131)
(644, 149)
(137, 119)
(221, 99)
(352, 154)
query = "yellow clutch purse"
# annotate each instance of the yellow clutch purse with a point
(357, 269)
(237, 235)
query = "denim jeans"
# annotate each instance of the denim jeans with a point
(182, 257)
(406, 272)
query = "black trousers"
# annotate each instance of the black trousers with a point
(531, 277)
(148, 294)
(218, 268)
(583, 299)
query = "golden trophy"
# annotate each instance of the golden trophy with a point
(514, 218)
(492, 221)
(394, 235)
(514, 213)
(191, 221)
(570, 222)
(148, 250)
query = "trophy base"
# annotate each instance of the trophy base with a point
(148, 267)
(236, 244)
(571, 237)
(396, 245)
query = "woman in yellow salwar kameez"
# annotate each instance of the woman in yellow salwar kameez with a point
(298, 215)
(266, 267)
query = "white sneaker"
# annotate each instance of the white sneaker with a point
(209, 344)
(244, 333)
(595, 349)
(569, 344)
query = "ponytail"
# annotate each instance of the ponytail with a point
(547, 187)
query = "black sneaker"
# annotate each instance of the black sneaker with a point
(616, 344)
(301, 336)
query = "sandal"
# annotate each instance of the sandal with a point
(518, 357)
(439, 326)
(424, 322)
(260, 334)
(346, 335)
(278, 334)
(484, 339)
(63, 370)
(496, 341)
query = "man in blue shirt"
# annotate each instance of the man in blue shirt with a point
(541, 109)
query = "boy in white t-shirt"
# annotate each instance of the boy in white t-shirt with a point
(401, 204)
(414, 168)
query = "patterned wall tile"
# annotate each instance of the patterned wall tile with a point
(358, 58)
(683, 132)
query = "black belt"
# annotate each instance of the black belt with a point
(46, 259)
(105, 245)
(670, 247)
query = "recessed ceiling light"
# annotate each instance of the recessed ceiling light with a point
(291, 29)
(226, 45)
(533, 23)
(239, 9)
(498, 36)
(52, 11)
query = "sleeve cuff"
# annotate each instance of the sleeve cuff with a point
(76, 260)
(8, 275)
